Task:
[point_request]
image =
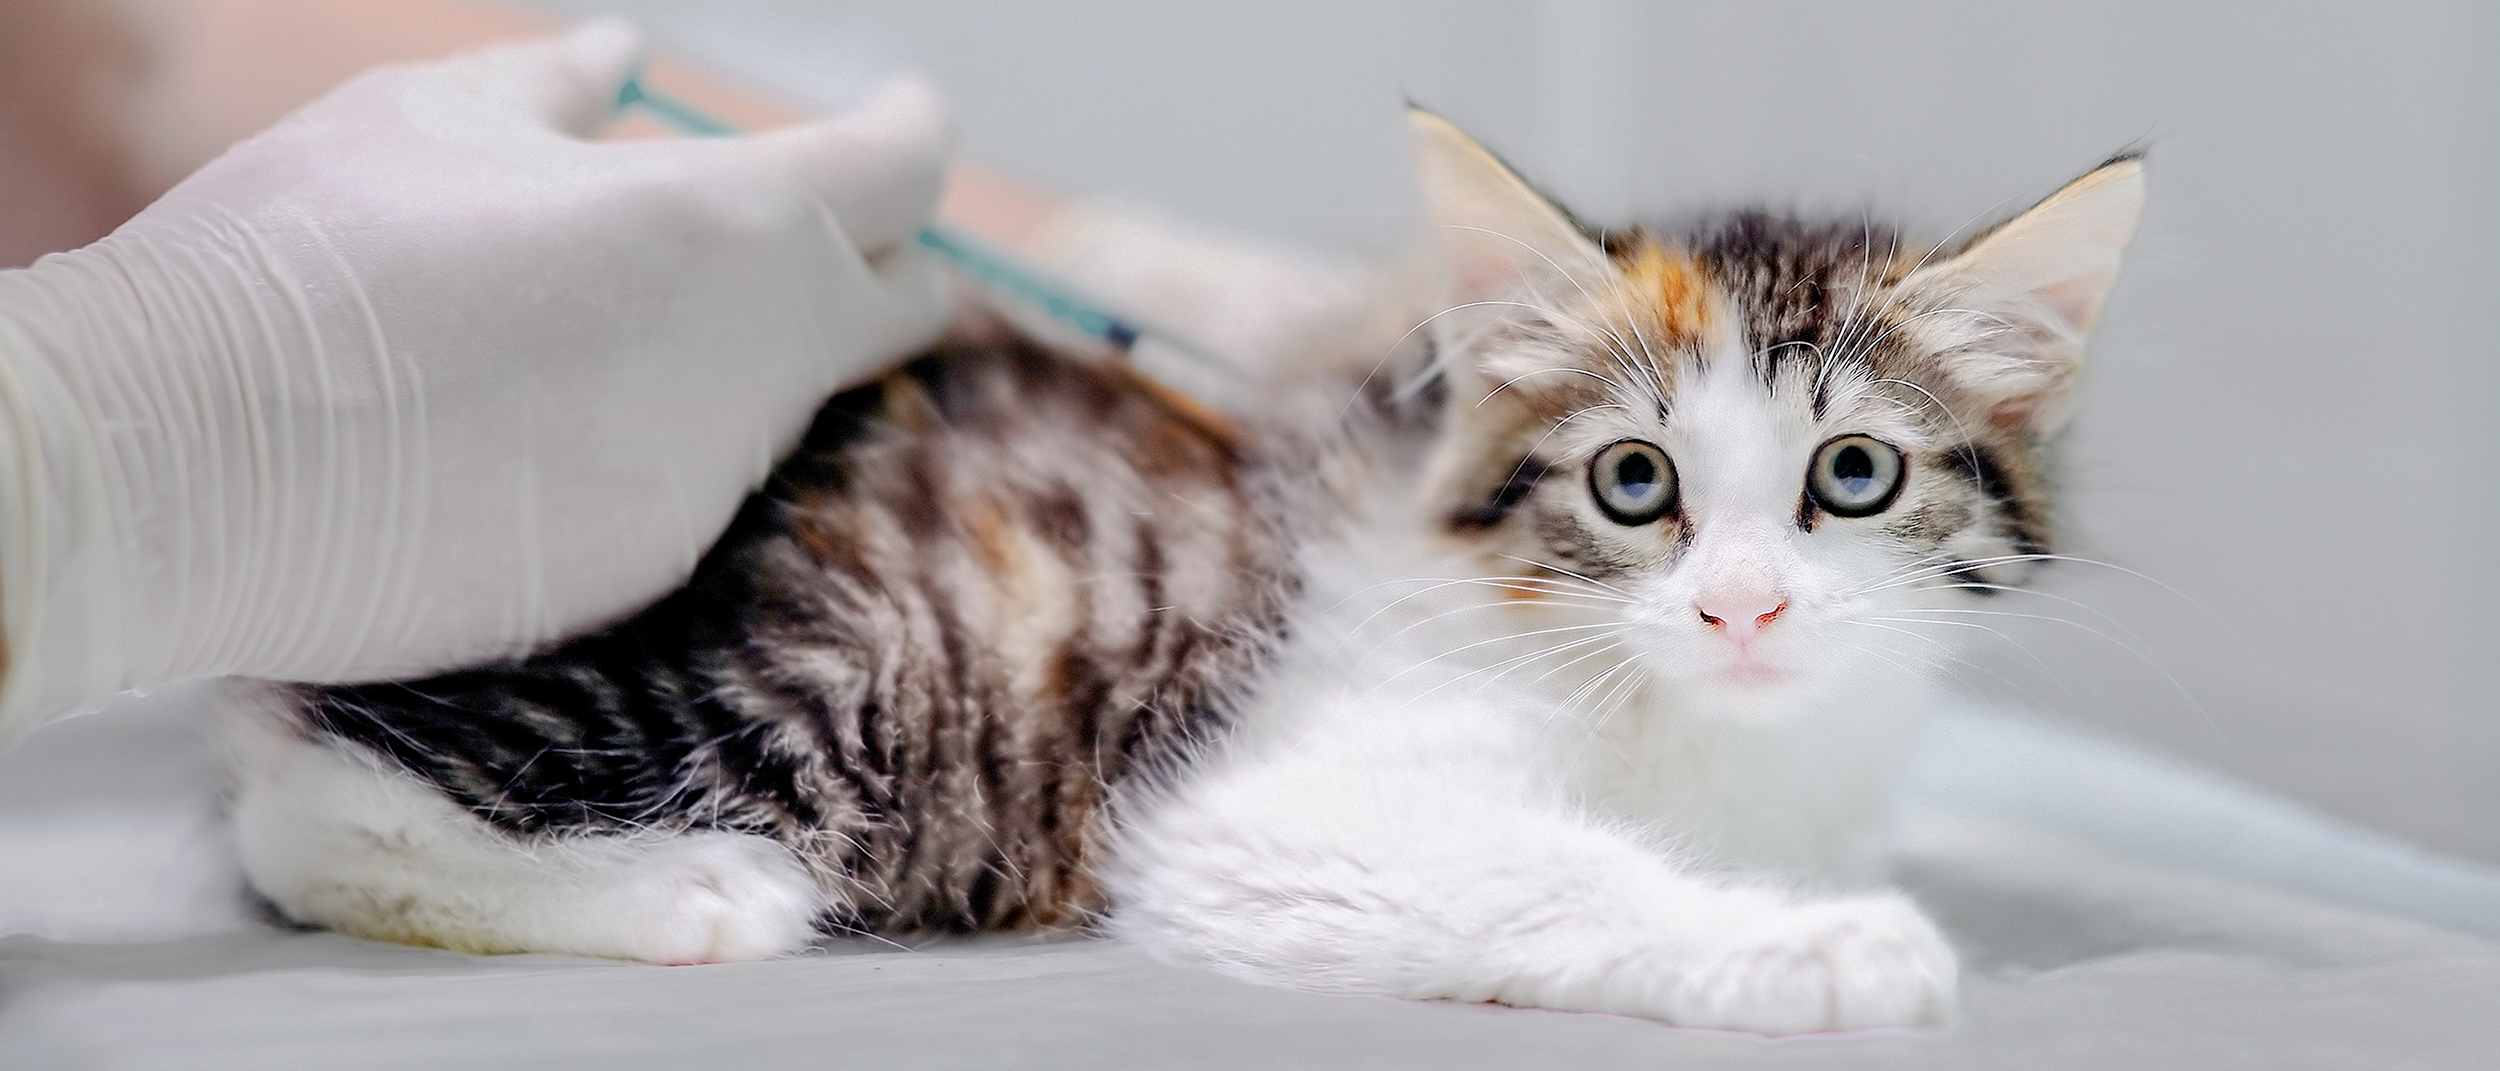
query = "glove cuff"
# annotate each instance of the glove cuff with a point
(60, 597)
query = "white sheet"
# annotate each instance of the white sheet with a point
(2114, 910)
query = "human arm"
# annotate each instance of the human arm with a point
(421, 376)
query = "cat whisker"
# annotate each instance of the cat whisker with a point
(1406, 391)
(1431, 585)
(1859, 312)
(1597, 645)
(2007, 559)
(1924, 561)
(1862, 312)
(1567, 418)
(1541, 588)
(2141, 651)
(1897, 295)
(1550, 262)
(1628, 596)
(1508, 583)
(1646, 364)
(1775, 347)
(1585, 656)
(1945, 566)
(1956, 655)
(849, 930)
(1848, 343)
(1428, 662)
(1420, 325)
(2133, 642)
(1566, 581)
(1592, 684)
(1499, 669)
(1630, 676)
(1904, 661)
(2051, 596)
(1641, 365)
(1455, 611)
(1947, 657)
(1574, 703)
(1394, 636)
(1960, 428)
(1975, 314)
(1506, 384)
(1952, 238)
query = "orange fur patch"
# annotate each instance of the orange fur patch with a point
(997, 545)
(1670, 289)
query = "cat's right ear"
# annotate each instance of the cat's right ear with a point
(2019, 301)
(1496, 237)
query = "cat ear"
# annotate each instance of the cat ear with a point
(2032, 288)
(1496, 236)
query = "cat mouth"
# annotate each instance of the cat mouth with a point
(1753, 673)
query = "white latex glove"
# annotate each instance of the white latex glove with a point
(420, 377)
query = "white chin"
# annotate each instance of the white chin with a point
(1754, 675)
(1744, 693)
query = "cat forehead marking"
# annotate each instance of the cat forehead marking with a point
(1668, 290)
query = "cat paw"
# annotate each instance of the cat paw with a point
(706, 898)
(1851, 964)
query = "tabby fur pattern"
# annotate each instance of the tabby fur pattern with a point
(1538, 654)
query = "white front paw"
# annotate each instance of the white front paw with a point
(706, 898)
(1833, 965)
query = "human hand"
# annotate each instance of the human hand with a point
(421, 377)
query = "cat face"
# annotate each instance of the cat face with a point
(1772, 452)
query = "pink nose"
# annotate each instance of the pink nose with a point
(1739, 616)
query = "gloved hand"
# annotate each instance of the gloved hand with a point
(419, 377)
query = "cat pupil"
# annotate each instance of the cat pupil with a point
(1635, 473)
(1854, 467)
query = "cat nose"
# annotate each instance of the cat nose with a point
(1739, 615)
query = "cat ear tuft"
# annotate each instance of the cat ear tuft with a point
(2034, 286)
(1495, 235)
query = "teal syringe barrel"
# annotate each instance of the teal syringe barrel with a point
(983, 264)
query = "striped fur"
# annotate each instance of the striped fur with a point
(1008, 595)
(982, 592)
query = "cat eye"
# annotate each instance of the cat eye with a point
(1854, 476)
(1633, 482)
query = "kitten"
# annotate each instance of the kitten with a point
(1563, 665)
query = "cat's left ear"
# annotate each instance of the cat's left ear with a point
(2032, 289)
(1496, 236)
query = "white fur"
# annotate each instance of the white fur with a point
(1589, 800)
(1645, 796)
(336, 840)
(1571, 802)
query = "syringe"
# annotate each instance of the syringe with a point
(974, 258)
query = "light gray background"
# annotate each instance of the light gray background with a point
(2287, 425)
(2289, 421)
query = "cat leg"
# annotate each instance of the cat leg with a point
(334, 838)
(1379, 887)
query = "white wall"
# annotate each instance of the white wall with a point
(2291, 418)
